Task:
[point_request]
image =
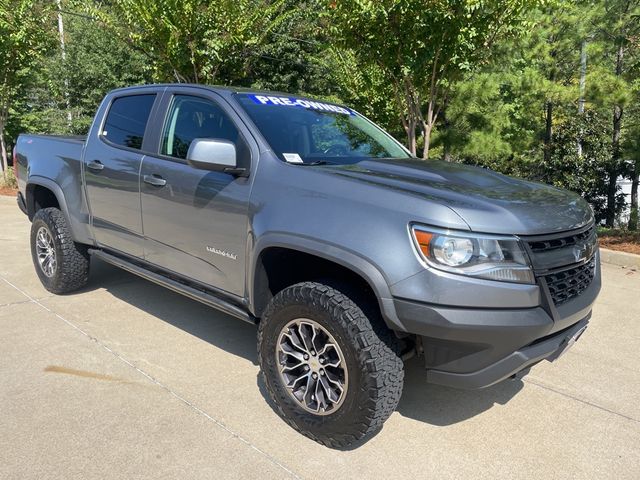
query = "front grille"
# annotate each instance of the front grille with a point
(561, 242)
(565, 260)
(567, 284)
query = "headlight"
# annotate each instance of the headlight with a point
(492, 257)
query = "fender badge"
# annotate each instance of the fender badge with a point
(222, 253)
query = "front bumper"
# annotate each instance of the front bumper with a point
(469, 347)
(515, 364)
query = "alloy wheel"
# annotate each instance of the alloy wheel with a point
(312, 366)
(45, 249)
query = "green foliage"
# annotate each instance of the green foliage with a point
(193, 40)
(422, 49)
(620, 234)
(291, 57)
(478, 121)
(89, 72)
(498, 117)
(631, 148)
(9, 180)
(406, 37)
(365, 88)
(25, 34)
(24, 37)
(618, 27)
(94, 63)
(493, 83)
(633, 218)
(584, 174)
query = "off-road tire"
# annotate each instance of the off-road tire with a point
(371, 354)
(72, 270)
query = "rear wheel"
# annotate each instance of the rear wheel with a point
(61, 264)
(333, 371)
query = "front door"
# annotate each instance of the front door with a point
(112, 167)
(195, 221)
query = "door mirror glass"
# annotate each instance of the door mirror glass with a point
(212, 154)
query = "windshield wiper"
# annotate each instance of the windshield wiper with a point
(316, 162)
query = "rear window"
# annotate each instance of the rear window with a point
(127, 120)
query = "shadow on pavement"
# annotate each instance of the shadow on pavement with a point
(421, 401)
(218, 329)
(442, 406)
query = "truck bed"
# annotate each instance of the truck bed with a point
(50, 156)
(54, 162)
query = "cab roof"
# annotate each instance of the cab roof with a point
(223, 89)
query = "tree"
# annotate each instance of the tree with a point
(618, 24)
(290, 57)
(631, 149)
(193, 40)
(554, 50)
(518, 113)
(423, 47)
(479, 117)
(60, 95)
(505, 111)
(585, 174)
(94, 64)
(25, 35)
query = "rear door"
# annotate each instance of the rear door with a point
(112, 162)
(195, 221)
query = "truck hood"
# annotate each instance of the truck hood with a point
(487, 201)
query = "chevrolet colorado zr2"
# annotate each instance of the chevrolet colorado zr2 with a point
(305, 218)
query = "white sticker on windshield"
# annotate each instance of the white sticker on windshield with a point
(292, 158)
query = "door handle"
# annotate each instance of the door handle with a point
(95, 165)
(155, 180)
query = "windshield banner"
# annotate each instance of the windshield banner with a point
(298, 102)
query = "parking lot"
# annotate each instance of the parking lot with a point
(126, 380)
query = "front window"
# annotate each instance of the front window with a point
(307, 131)
(195, 117)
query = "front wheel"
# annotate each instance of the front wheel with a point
(333, 371)
(61, 264)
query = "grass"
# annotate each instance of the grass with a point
(619, 233)
(619, 239)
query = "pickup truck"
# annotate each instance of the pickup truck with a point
(307, 219)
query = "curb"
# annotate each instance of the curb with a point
(621, 259)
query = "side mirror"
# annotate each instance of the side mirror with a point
(215, 155)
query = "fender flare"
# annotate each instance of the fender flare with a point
(343, 257)
(49, 184)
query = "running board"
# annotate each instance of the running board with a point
(178, 287)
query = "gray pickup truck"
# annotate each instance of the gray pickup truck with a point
(305, 218)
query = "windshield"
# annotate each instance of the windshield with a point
(307, 131)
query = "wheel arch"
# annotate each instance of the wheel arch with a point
(307, 248)
(39, 188)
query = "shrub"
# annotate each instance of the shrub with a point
(8, 180)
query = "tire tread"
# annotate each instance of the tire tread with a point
(377, 351)
(73, 264)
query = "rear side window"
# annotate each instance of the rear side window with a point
(127, 120)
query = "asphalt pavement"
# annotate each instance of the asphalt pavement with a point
(127, 380)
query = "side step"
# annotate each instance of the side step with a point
(186, 290)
